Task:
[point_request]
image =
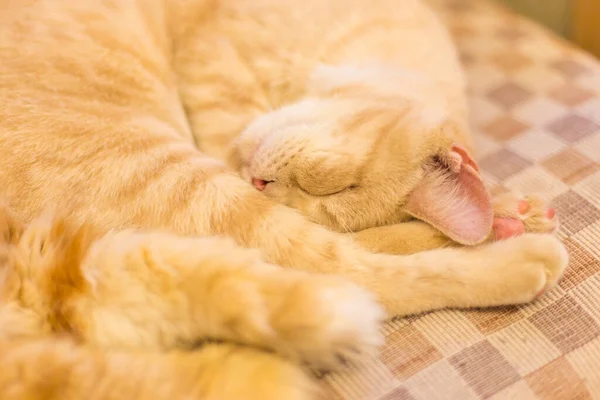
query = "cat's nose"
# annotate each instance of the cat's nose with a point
(260, 184)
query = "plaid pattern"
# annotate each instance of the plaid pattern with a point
(536, 116)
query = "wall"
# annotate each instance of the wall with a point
(576, 20)
(555, 14)
(585, 30)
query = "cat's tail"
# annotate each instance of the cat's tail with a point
(53, 369)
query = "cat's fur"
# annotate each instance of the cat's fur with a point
(102, 101)
(368, 129)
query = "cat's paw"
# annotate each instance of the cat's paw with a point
(328, 322)
(527, 267)
(550, 254)
(515, 215)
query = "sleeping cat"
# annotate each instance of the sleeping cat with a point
(104, 106)
(358, 154)
(378, 135)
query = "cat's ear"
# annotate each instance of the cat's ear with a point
(453, 198)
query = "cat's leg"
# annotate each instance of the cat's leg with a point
(507, 272)
(60, 369)
(403, 238)
(157, 290)
(512, 271)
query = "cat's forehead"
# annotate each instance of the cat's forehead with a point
(403, 89)
(305, 112)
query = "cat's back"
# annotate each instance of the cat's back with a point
(71, 74)
(285, 39)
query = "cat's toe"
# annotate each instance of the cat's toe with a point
(539, 217)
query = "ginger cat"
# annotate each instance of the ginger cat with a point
(105, 106)
(373, 129)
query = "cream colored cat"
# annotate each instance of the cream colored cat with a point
(104, 106)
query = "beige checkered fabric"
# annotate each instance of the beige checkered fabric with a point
(536, 114)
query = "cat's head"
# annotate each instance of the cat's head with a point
(366, 149)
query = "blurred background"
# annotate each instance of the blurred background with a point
(575, 20)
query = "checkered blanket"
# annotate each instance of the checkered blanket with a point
(535, 104)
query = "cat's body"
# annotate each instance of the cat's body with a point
(267, 51)
(102, 102)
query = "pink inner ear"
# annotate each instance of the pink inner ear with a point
(464, 155)
(453, 199)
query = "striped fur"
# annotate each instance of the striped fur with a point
(105, 104)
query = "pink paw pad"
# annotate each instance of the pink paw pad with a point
(505, 228)
(523, 206)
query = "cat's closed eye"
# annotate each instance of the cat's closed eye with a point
(323, 192)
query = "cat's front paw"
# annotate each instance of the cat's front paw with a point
(328, 322)
(529, 266)
(515, 215)
(551, 254)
